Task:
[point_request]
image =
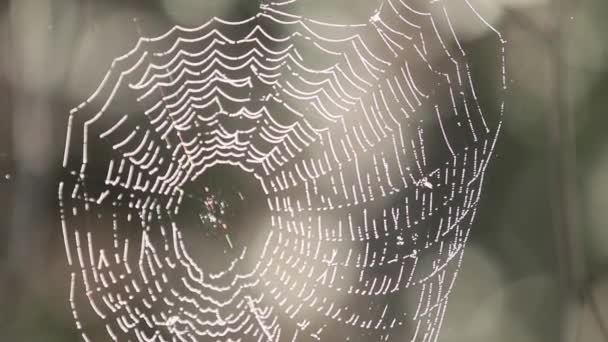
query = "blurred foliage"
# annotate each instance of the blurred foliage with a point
(510, 288)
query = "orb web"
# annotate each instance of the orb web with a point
(278, 178)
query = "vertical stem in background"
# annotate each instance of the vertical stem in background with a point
(561, 127)
(6, 146)
(7, 176)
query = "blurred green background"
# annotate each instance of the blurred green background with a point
(535, 266)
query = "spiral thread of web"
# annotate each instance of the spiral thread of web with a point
(371, 177)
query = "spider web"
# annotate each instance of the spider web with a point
(277, 178)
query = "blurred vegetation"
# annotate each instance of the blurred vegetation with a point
(515, 284)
